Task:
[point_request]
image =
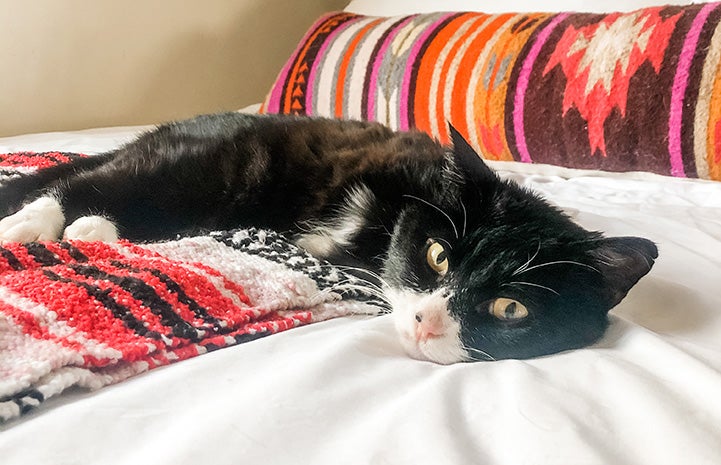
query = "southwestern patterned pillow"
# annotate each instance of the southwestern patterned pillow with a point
(638, 91)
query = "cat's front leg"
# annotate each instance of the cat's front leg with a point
(92, 228)
(40, 220)
(43, 220)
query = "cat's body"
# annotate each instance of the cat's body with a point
(474, 268)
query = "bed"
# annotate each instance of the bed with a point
(343, 391)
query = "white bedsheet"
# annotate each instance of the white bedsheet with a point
(343, 392)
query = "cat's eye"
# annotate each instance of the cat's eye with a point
(437, 257)
(508, 310)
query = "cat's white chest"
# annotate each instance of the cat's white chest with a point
(323, 239)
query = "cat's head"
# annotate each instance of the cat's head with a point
(492, 271)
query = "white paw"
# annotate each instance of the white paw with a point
(92, 228)
(41, 220)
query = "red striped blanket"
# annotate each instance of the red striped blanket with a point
(90, 314)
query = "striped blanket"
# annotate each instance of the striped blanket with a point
(90, 314)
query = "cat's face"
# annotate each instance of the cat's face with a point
(494, 272)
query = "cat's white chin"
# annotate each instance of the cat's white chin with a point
(425, 328)
(433, 352)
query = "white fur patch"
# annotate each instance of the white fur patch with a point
(92, 228)
(445, 346)
(41, 220)
(324, 239)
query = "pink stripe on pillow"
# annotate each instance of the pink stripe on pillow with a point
(680, 83)
(522, 87)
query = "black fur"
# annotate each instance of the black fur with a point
(290, 174)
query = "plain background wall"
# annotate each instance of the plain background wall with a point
(71, 64)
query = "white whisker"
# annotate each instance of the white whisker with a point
(486, 356)
(523, 283)
(365, 287)
(523, 267)
(348, 285)
(559, 262)
(370, 292)
(352, 281)
(450, 247)
(370, 273)
(455, 230)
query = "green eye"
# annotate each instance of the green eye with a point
(507, 309)
(437, 257)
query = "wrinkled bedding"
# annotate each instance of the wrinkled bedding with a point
(342, 391)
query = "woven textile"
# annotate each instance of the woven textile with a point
(90, 314)
(618, 92)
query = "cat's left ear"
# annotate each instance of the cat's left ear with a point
(623, 261)
(470, 163)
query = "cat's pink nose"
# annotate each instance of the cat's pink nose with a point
(429, 325)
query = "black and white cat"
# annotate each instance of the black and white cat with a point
(474, 267)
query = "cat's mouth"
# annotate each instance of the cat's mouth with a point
(425, 328)
(442, 349)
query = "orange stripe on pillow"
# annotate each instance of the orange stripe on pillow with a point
(713, 156)
(462, 98)
(424, 80)
(449, 74)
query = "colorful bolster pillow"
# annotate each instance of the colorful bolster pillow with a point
(638, 91)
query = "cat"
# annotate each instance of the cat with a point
(473, 267)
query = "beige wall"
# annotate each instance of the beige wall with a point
(69, 64)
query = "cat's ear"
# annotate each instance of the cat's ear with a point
(622, 261)
(465, 158)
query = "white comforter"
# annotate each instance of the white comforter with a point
(343, 392)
